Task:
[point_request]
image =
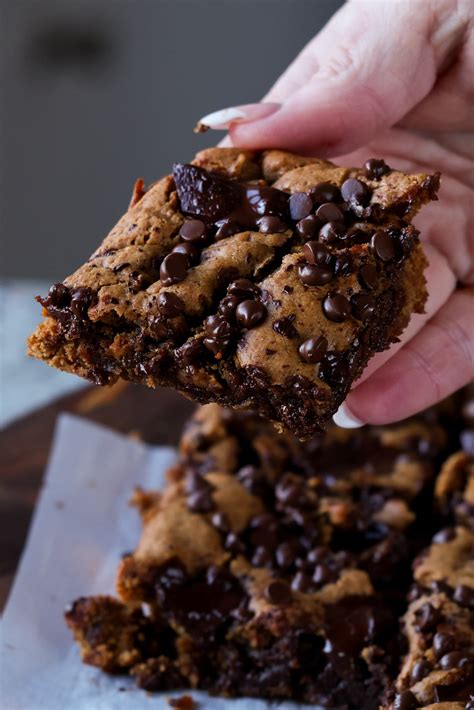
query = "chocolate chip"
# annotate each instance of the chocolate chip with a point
(81, 300)
(383, 246)
(454, 659)
(317, 555)
(278, 592)
(243, 289)
(198, 493)
(316, 253)
(374, 169)
(285, 555)
(405, 701)
(190, 353)
(300, 205)
(309, 226)
(444, 535)
(193, 231)
(322, 574)
(313, 350)
(219, 332)
(363, 306)
(325, 192)
(233, 544)
(442, 643)
(301, 582)
(329, 212)
(170, 304)
(271, 225)
(290, 490)
(336, 307)
(331, 232)
(420, 670)
(226, 228)
(427, 617)
(191, 251)
(264, 531)
(221, 522)
(228, 305)
(464, 596)
(466, 437)
(173, 268)
(262, 557)
(250, 313)
(368, 275)
(313, 275)
(253, 480)
(58, 296)
(355, 192)
(285, 327)
(343, 265)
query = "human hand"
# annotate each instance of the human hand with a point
(393, 80)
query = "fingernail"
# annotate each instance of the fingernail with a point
(345, 419)
(221, 120)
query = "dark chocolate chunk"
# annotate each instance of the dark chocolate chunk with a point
(198, 493)
(322, 574)
(300, 205)
(81, 300)
(58, 296)
(383, 246)
(234, 544)
(271, 225)
(329, 212)
(204, 194)
(343, 265)
(336, 307)
(316, 253)
(170, 304)
(194, 230)
(374, 169)
(309, 226)
(314, 275)
(173, 268)
(325, 192)
(190, 353)
(278, 592)
(262, 557)
(405, 701)
(355, 192)
(368, 275)
(313, 350)
(285, 555)
(363, 306)
(334, 368)
(190, 250)
(285, 327)
(331, 232)
(250, 313)
(226, 228)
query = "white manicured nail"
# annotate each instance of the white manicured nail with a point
(344, 418)
(219, 120)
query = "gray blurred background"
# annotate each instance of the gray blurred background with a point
(95, 93)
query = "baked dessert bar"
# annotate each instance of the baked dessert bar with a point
(271, 567)
(254, 280)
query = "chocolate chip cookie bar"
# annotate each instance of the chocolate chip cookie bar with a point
(254, 280)
(438, 670)
(267, 565)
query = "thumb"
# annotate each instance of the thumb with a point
(363, 72)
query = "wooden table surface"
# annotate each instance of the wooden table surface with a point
(157, 416)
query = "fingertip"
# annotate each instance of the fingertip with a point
(345, 418)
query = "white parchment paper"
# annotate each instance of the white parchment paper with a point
(81, 527)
